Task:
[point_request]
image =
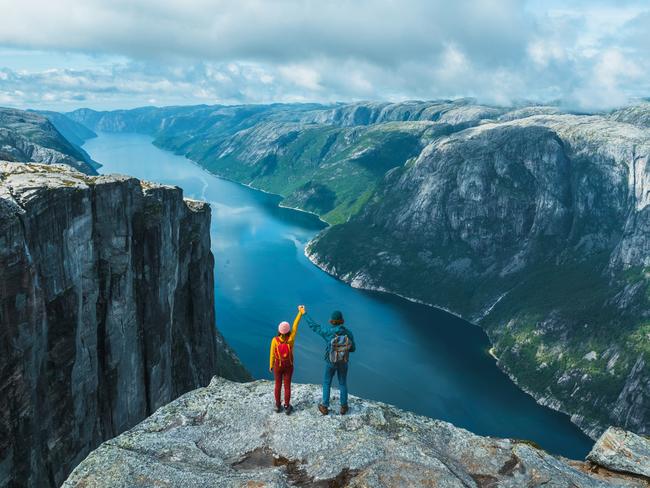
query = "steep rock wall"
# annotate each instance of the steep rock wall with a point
(537, 229)
(106, 313)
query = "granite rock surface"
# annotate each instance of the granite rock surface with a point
(228, 435)
(106, 312)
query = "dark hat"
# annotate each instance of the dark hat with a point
(337, 317)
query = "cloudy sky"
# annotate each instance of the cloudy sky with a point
(65, 54)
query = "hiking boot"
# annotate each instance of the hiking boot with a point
(278, 408)
(344, 409)
(323, 409)
(288, 409)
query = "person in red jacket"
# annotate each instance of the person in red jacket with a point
(281, 360)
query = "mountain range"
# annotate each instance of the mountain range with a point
(529, 221)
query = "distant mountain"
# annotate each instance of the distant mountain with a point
(30, 137)
(638, 115)
(144, 120)
(302, 151)
(73, 131)
(531, 222)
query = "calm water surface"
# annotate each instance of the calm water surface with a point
(418, 358)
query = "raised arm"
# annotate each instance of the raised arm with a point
(296, 321)
(319, 329)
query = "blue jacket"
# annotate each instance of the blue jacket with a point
(328, 332)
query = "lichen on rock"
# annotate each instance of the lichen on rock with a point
(623, 451)
(228, 435)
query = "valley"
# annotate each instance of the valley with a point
(528, 221)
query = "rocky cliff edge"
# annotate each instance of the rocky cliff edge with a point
(228, 435)
(106, 313)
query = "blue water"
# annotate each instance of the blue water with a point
(418, 358)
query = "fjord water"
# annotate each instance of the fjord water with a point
(418, 358)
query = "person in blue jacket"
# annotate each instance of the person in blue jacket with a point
(340, 343)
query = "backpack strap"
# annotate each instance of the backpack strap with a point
(277, 350)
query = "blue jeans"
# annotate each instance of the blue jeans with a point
(341, 370)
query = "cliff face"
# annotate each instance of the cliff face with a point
(537, 229)
(227, 435)
(28, 136)
(106, 312)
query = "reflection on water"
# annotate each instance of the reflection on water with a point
(421, 359)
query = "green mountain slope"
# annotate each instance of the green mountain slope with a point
(536, 230)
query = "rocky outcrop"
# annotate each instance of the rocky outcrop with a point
(106, 313)
(227, 435)
(30, 137)
(622, 451)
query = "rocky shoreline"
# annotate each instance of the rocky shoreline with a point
(549, 402)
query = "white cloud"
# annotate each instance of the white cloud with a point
(544, 51)
(606, 87)
(127, 53)
(453, 64)
(301, 76)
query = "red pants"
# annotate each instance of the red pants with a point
(283, 375)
